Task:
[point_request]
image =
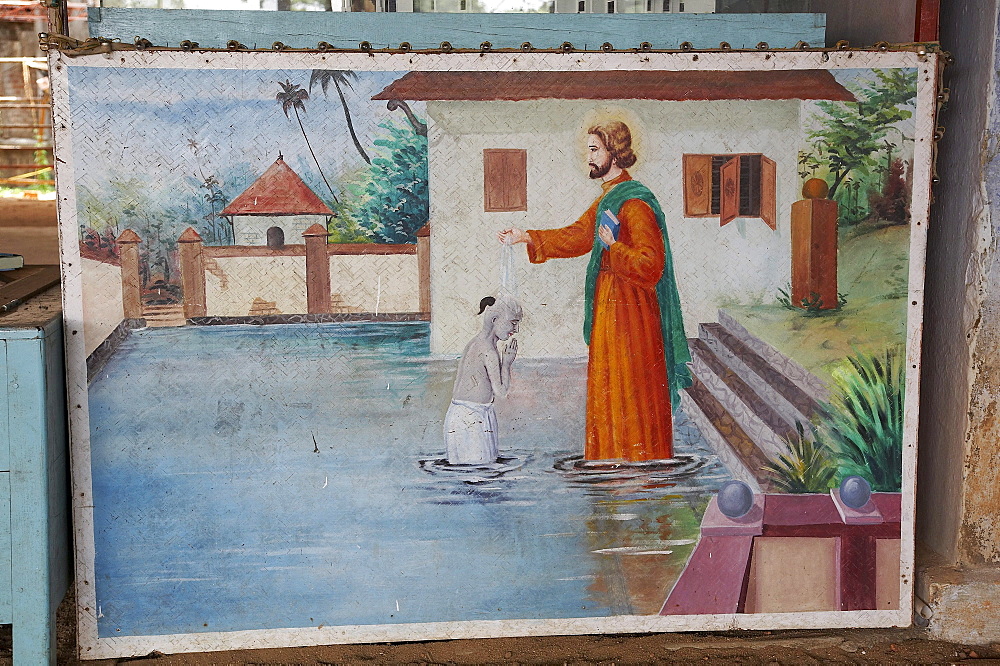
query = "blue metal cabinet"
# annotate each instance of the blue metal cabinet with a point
(34, 500)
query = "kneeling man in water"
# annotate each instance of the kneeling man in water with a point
(470, 428)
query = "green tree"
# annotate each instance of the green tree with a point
(293, 96)
(340, 78)
(214, 197)
(849, 135)
(395, 201)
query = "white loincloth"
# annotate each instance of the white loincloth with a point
(470, 433)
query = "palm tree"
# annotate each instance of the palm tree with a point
(418, 126)
(340, 77)
(293, 96)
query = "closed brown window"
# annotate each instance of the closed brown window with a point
(505, 180)
(730, 186)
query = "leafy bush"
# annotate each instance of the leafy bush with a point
(395, 200)
(344, 227)
(863, 423)
(807, 468)
(893, 203)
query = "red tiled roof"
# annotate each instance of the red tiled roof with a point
(654, 85)
(279, 191)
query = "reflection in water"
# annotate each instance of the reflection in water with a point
(642, 519)
(638, 549)
(473, 479)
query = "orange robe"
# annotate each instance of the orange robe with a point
(628, 397)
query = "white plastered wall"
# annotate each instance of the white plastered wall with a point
(252, 229)
(232, 284)
(102, 301)
(376, 283)
(744, 261)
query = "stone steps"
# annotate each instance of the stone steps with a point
(162, 316)
(748, 398)
(729, 441)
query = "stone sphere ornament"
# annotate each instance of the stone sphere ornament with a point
(855, 491)
(735, 499)
(815, 188)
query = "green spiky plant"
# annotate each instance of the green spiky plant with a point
(808, 467)
(812, 305)
(863, 422)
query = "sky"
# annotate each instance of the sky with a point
(149, 117)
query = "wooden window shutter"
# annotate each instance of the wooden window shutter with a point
(505, 180)
(729, 203)
(768, 192)
(697, 185)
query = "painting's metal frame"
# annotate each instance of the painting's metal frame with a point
(98, 53)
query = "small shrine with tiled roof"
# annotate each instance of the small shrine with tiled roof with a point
(278, 206)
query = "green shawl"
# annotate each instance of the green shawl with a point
(675, 345)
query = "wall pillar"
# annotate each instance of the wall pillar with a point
(192, 256)
(424, 269)
(128, 249)
(958, 574)
(814, 249)
(317, 270)
(858, 572)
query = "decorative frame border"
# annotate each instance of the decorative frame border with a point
(110, 54)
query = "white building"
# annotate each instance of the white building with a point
(275, 209)
(510, 150)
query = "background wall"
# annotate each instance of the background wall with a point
(960, 250)
(744, 261)
(102, 301)
(358, 283)
(980, 534)
(862, 23)
(232, 284)
(376, 283)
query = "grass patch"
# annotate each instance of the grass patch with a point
(872, 273)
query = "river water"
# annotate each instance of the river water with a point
(250, 477)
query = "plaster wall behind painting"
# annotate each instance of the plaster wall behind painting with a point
(744, 261)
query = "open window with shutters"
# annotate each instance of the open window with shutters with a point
(505, 180)
(730, 186)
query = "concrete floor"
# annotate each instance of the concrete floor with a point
(842, 646)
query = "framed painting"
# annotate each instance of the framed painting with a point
(404, 346)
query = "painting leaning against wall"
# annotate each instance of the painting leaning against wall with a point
(363, 349)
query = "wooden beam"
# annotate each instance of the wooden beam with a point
(259, 29)
(24, 283)
(928, 21)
